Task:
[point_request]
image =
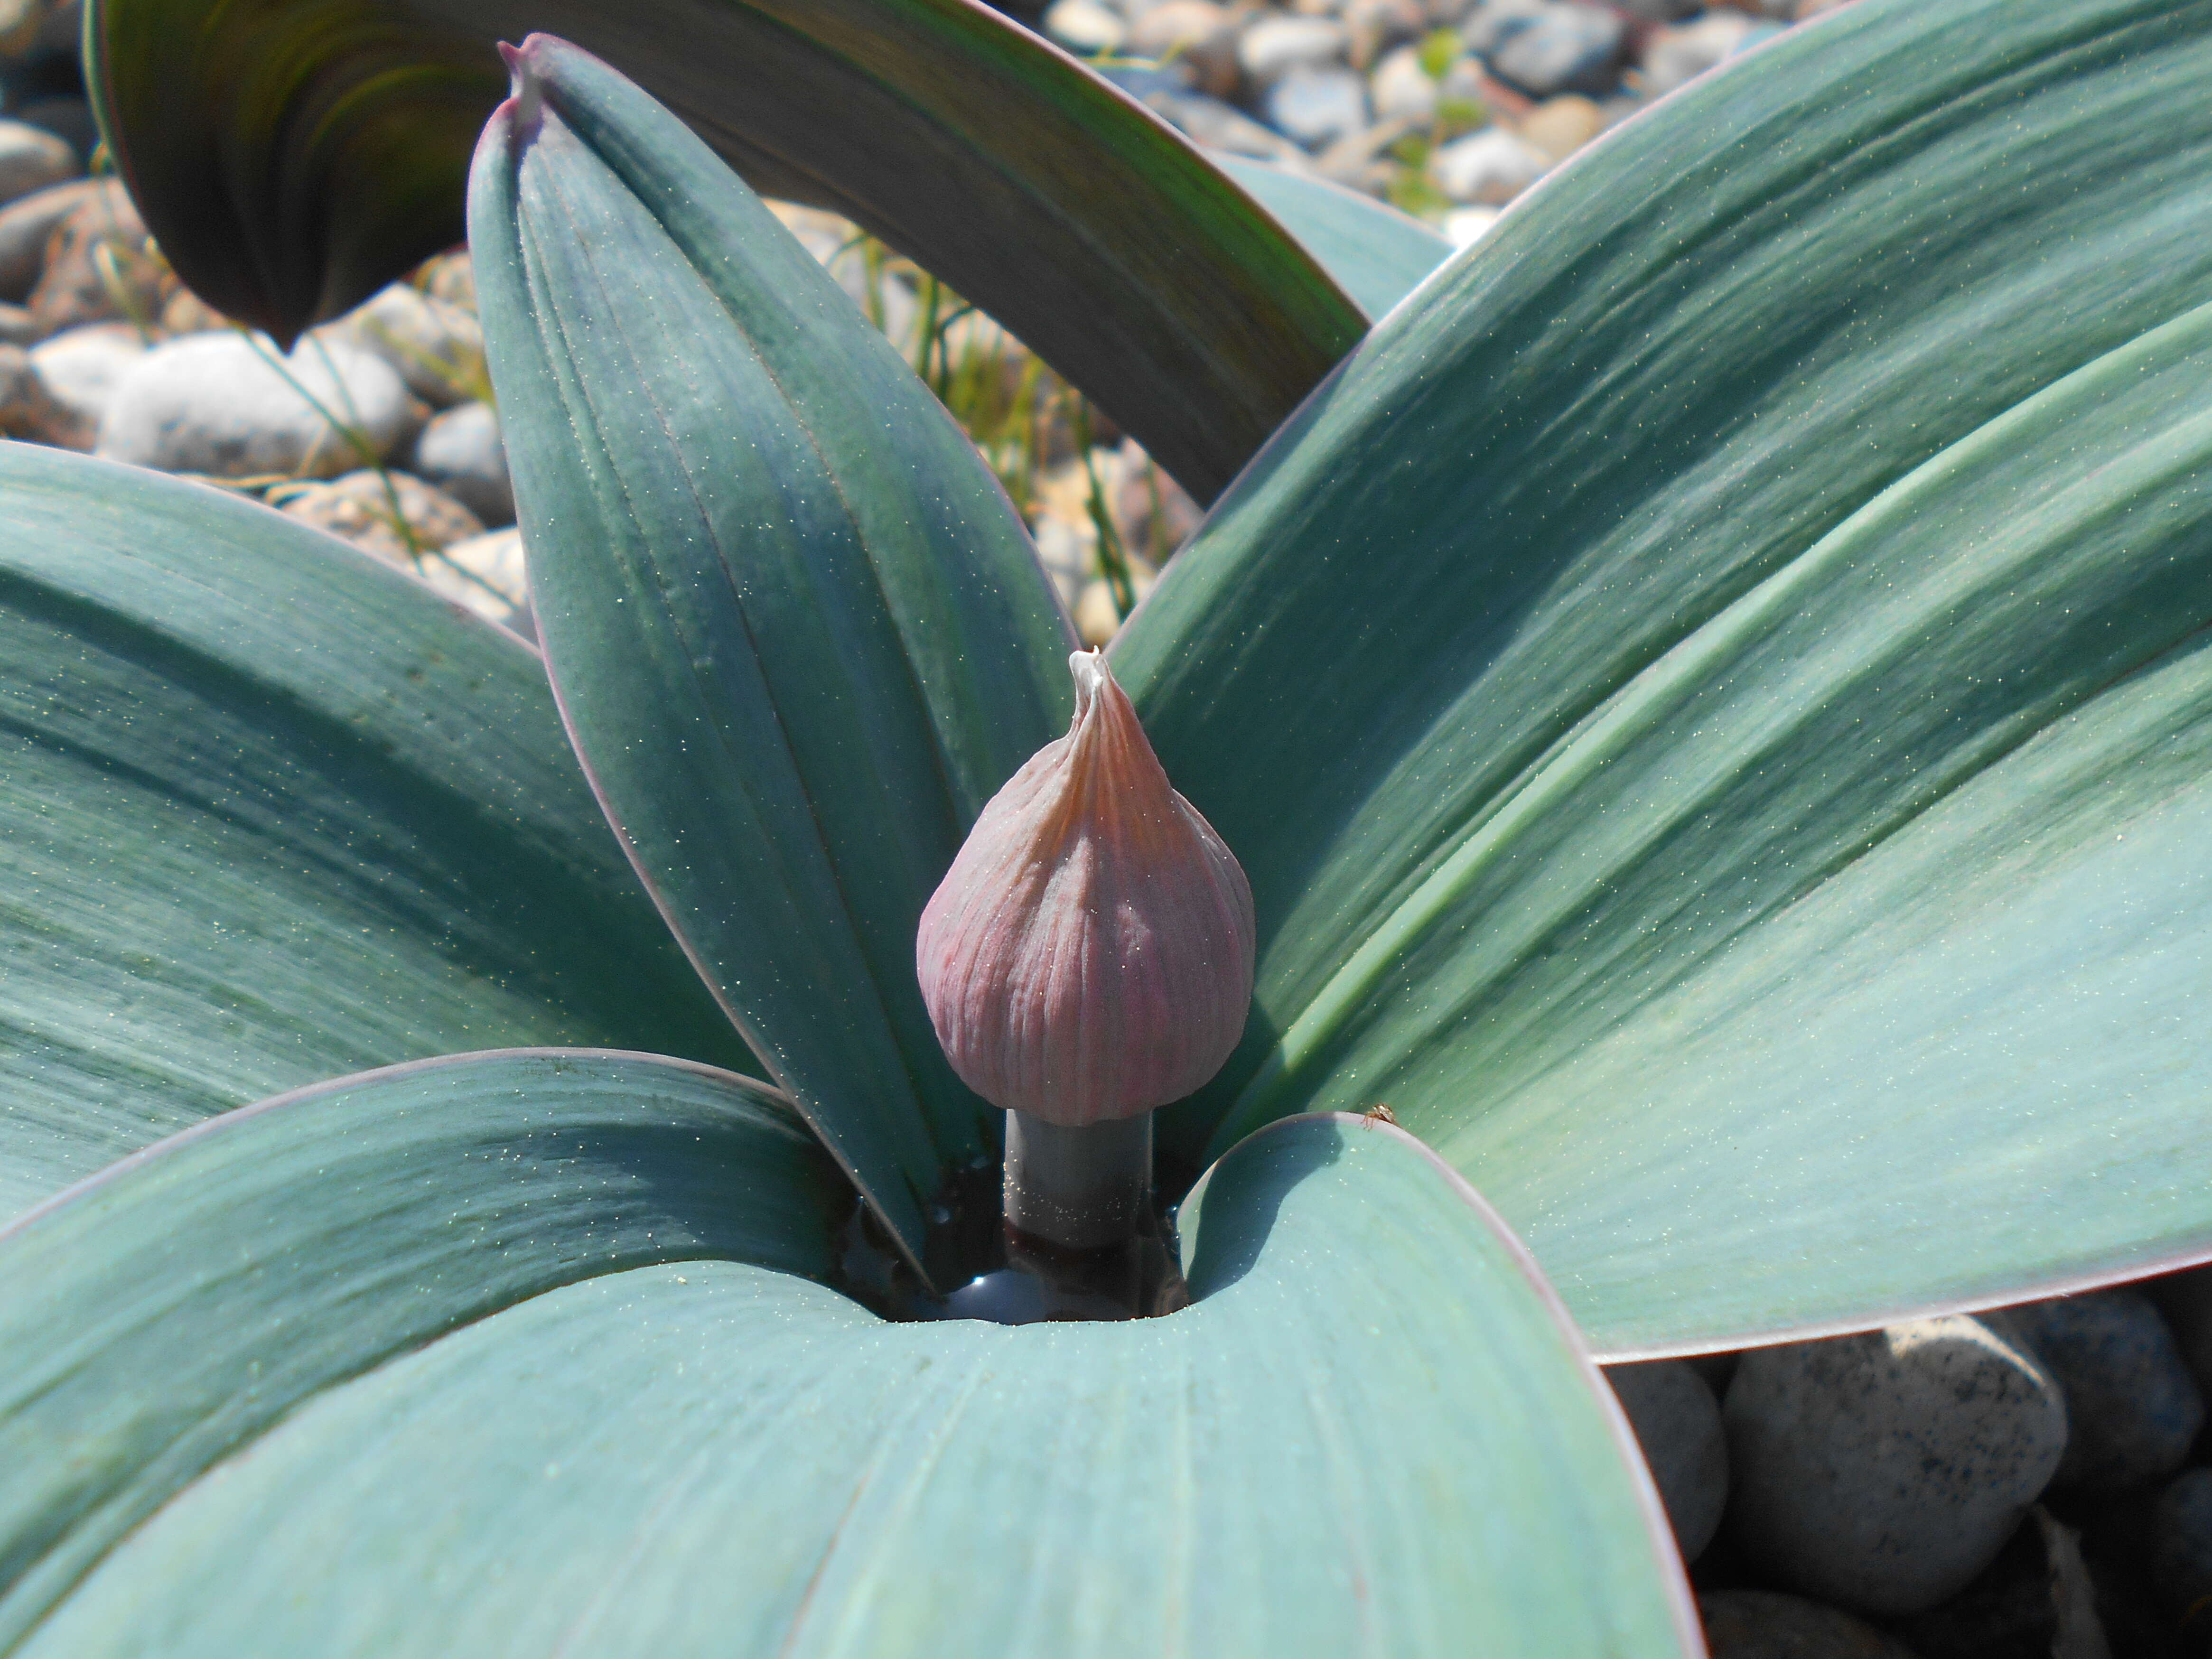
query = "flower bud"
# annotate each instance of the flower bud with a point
(1088, 955)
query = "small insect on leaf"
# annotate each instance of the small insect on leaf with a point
(1380, 1113)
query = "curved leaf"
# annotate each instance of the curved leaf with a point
(1374, 1432)
(1377, 254)
(294, 155)
(269, 810)
(1674, 587)
(798, 633)
(179, 1303)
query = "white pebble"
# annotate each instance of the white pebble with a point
(1883, 1471)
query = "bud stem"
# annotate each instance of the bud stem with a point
(1081, 1189)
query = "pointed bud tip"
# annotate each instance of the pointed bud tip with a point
(525, 99)
(1090, 672)
(1089, 956)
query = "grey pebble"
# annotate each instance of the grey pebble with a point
(1402, 89)
(1084, 25)
(436, 349)
(25, 228)
(69, 118)
(80, 368)
(394, 515)
(1883, 1471)
(2185, 1299)
(1491, 167)
(1675, 57)
(1717, 1368)
(488, 574)
(460, 452)
(1565, 47)
(211, 403)
(2036, 1599)
(1281, 41)
(26, 409)
(2181, 1541)
(2133, 1408)
(31, 158)
(1211, 123)
(1766, 1625)
(1678, 1424)
(1318, 107)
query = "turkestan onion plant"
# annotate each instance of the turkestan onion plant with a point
(1710, 695)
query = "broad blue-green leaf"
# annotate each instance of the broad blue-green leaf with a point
(1705, 696)
(1377, 254)
(167, 1312)
(270, 811)
(1373, 1432)
(798, 632)
(294, 155)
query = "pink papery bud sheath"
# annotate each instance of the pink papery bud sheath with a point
(1088, 955)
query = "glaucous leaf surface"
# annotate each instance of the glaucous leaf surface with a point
(1705, 696)
(270, 811)
(168, 1312)
(612, 1413)
(798, 631)
(1377, 254)
(294, 155)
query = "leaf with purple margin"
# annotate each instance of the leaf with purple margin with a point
(610, 1412)
(798, 633)
(1711, 699)
(273, 811)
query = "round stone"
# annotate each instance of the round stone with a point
(2132, 1408)
(1491, 167)
(1883, 1471)
(80, 370)
(2181, 1541)
(1678, 1424)
(31, 158)
(1318, 107)
(1562, 47)
(1084, 25)
(460, 452)
(2185, 1299)
(394, 515)
(215, 404)
(27, 225)
(1675, 57)
(435, 348)
(487, 575)
(1765, 1625)
(1280, 42)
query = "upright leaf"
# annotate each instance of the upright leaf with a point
(798, 631)
(638, 1429)
(270, 811)
(1679, 692)
(294, 155)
